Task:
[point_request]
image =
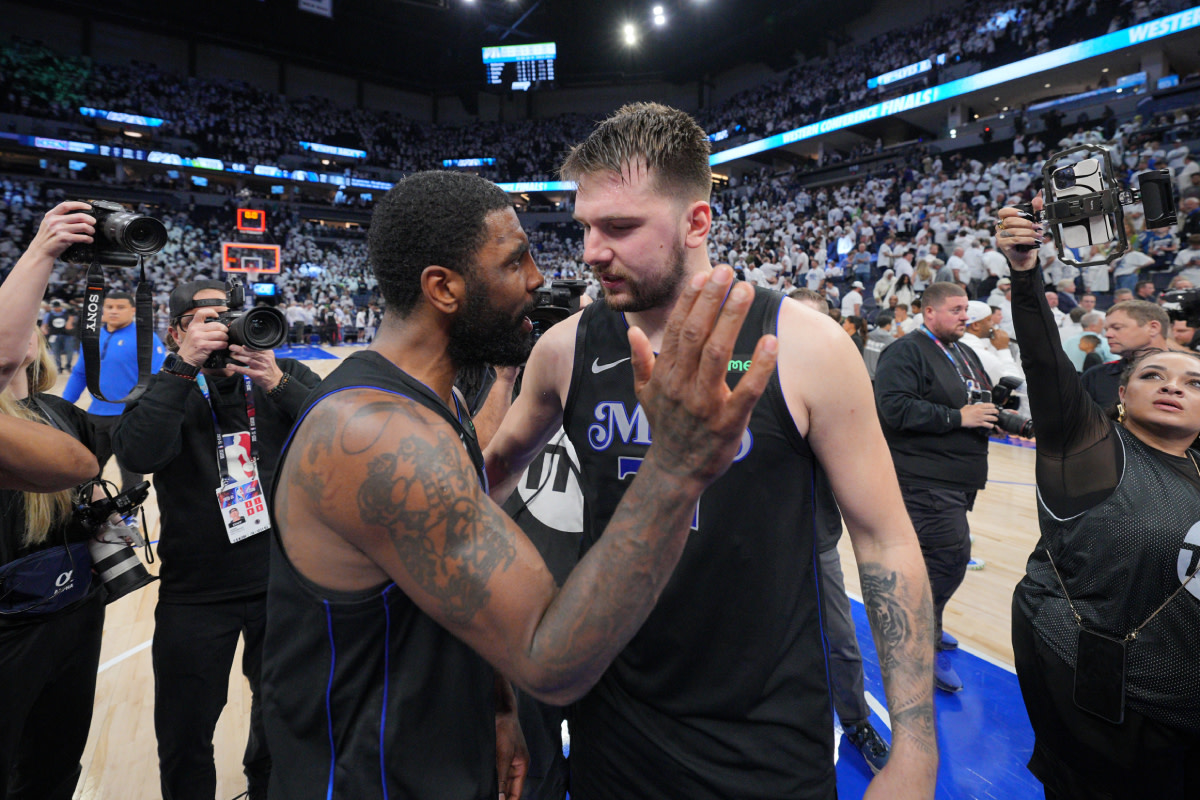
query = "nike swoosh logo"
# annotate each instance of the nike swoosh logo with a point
(597, 367)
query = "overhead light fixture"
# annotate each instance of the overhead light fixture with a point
(133, 134)
(658, 11)
(1047, 86)
(996, 99)
(630, 32)
(1104, 70)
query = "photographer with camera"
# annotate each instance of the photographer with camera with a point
(21, 292)
(934, 400)
(36, 457)
(211, 426)
(1106, 621)
(51, 608)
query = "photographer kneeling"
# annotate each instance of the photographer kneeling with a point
(51, 608)
(210, 427)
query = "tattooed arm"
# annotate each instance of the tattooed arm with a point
(837, 416)
(390, 479)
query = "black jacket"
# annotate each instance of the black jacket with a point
(1101, 382)
(169, 431)
(918, 394)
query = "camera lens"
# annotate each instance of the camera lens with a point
(1064, 178)
(135, 232)
(262, 328)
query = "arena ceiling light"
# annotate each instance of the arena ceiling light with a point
(629, 33)
(660, 16)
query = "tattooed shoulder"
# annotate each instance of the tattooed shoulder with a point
(416, 481)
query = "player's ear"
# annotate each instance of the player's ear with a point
(444, 288)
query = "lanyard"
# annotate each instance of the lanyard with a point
(967, 377)
(222, 459)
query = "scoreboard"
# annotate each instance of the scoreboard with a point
(520, 66)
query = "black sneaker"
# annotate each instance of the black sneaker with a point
(867, 741)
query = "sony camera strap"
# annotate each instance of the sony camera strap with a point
(90, 335)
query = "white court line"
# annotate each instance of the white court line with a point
(981, 656)
(879, 709)
(112, 662)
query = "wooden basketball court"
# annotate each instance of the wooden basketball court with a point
(121, 763)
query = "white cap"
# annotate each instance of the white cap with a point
(977, 311)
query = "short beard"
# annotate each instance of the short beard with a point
(481, 334)
(654, 293)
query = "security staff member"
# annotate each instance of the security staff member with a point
(929, 389)
(118, 375)
(203, 432)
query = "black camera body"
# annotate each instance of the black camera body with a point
(258, 328)
(94, 513)
(554, 303)
(1183, 304)
(122, 237)
(1006, 402)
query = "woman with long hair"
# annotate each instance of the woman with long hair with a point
(902, 290)
(856, 326)
(51, 611)
(1106, 621)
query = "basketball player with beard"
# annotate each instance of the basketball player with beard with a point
(400, 594)
(723, 691)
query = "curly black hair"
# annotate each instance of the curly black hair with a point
(428, 218)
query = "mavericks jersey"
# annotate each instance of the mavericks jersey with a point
(365, 696)
(723, 692)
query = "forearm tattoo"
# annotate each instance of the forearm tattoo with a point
(902, 621)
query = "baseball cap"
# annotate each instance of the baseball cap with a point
(977, 311)
(182, 296)
(1004, 282)
(857, 285)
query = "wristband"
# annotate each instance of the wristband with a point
(278, 390)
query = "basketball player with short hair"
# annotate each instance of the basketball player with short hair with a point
(723, 692)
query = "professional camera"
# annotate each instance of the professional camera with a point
(1006, 401)
(122, 237)
(259, 328)
(1001, 395)
(1183, 304)
(1083, 203)
(113, 540)
(555, 303)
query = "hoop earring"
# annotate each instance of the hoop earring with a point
(1121, 413)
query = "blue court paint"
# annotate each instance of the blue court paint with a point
(304, 352)
(983, 731)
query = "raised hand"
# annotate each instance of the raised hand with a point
(1014, 229)
(696, 422)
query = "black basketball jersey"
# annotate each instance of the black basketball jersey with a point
(723, 692)
(364, 695)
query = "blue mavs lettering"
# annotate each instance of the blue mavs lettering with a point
(616, 423)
